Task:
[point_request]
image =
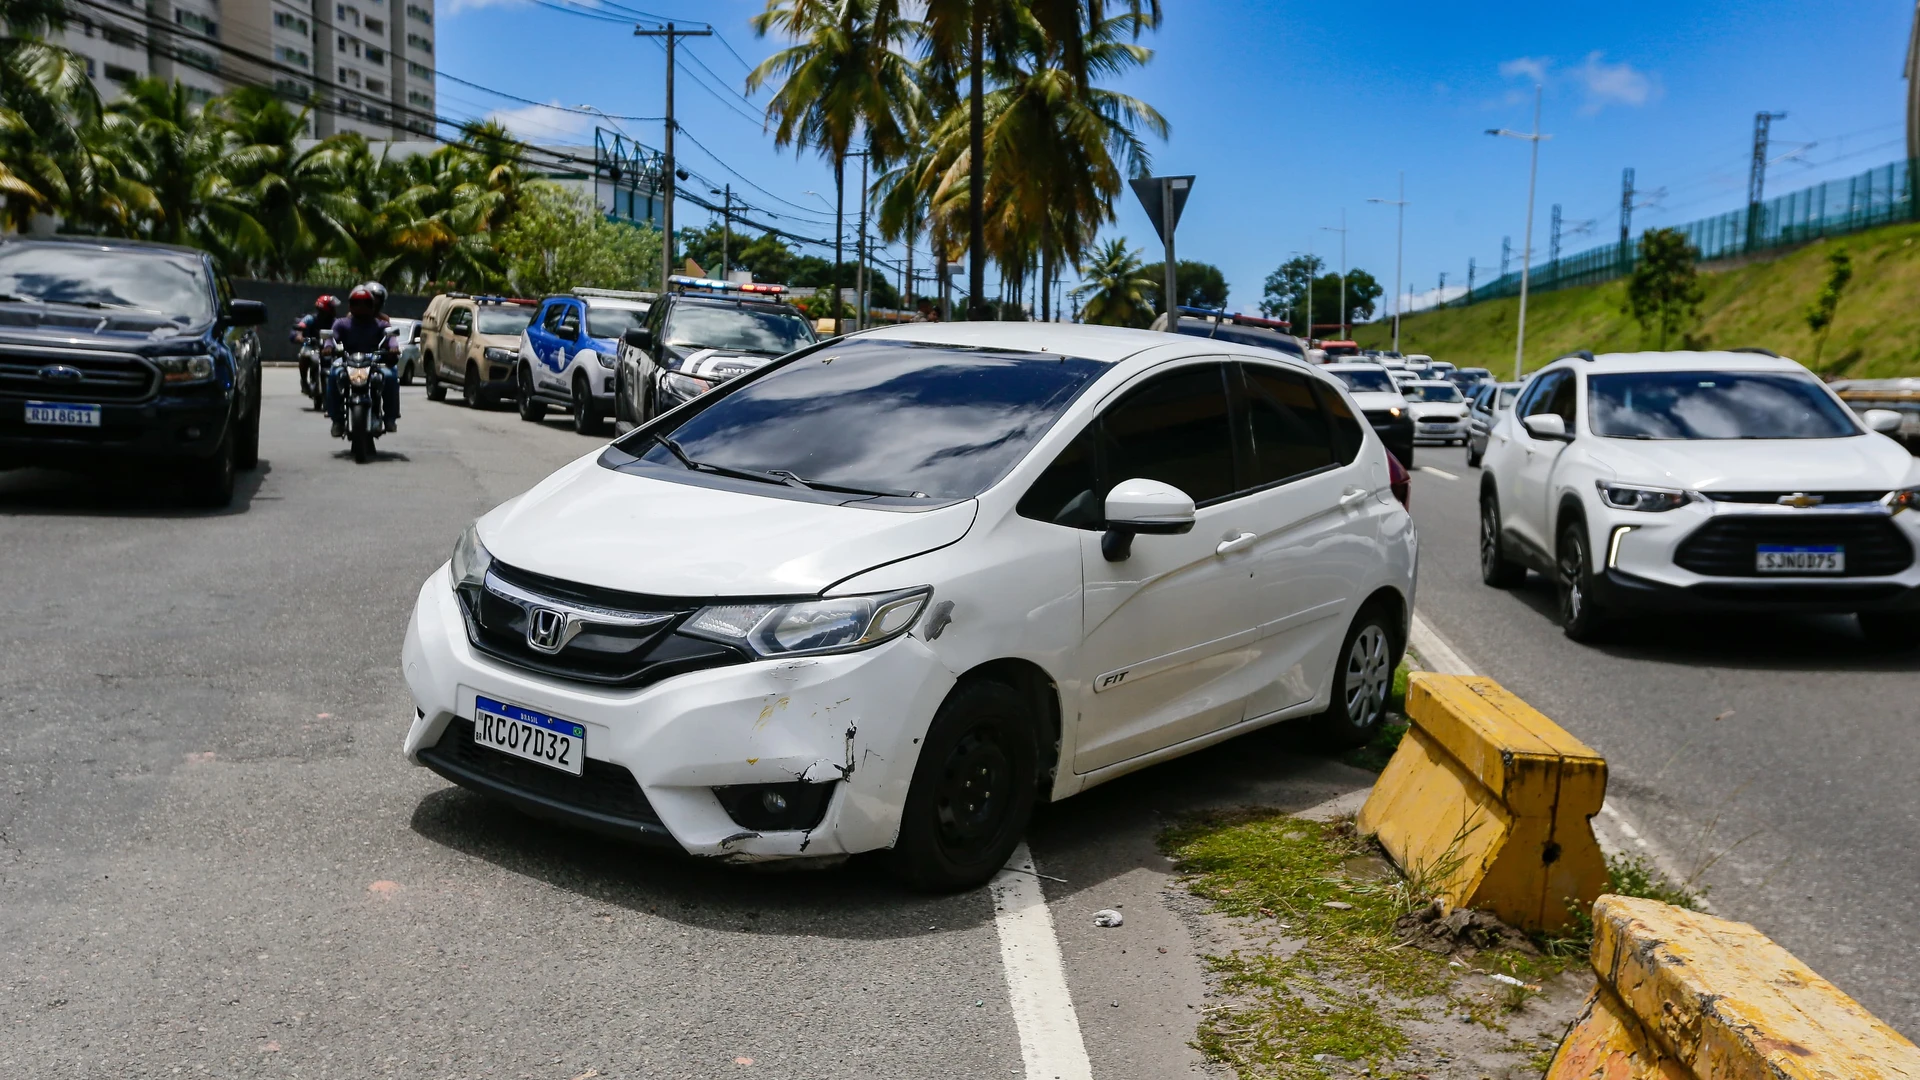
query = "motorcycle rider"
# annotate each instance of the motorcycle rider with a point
(364, 330)
(306, 330)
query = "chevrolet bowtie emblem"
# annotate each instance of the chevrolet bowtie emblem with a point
(1801, 499)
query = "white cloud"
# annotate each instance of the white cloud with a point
(548, 123)
(454, 7)
(1612, 84)
(1532, 68)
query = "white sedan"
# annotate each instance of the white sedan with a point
(1439, 411)
(891, 590)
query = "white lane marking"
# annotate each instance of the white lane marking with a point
(1434, 653)
(1436, 472)
(1050, 1041)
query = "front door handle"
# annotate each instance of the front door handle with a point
(1352, 495)
(1237, 540)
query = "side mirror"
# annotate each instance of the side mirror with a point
(1545, 426)
(639, 337)
(1884, 421)
(1143, 506)
(246, 312)
(463, 331)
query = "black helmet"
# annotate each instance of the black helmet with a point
(379, 292)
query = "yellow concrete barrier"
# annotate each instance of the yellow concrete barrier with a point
(1487, 802)
(1686, 996)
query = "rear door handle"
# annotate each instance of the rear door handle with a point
(1352, 495)
(1237, 540)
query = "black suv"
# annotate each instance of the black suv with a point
(117, 350)
(694, 341)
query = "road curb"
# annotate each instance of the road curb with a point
(1686, 995)
(1489, 803)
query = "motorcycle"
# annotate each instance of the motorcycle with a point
(361, 379)
(313, 374)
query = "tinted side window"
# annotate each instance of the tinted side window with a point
(1537, 394)
(550, 318)
(460, 318)
(1069, 492)
(1348, 435)
(569, 325)
(1175, 429)
(1290, 433)
(1563, 399)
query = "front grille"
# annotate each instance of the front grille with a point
(604, 790)
(103, 376)
(1726, 546)
(1827, 498)
(603, 652)
(1383, 418)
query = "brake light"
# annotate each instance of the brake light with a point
(1399, 481)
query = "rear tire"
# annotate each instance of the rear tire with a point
(1369, 655)
(1580, 615)
(530, 410)
(1495, 568)
(587, 419)
(1898, 630)
(436, 390)
(1474, 456)
(973, 790)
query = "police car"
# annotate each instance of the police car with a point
(568, 353)
(700, 334)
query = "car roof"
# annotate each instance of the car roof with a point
(1108, 344)
(760, 300)
(110, 242)
(1681, 360)
(614, 302)
(1434, 382)
(1348, 365)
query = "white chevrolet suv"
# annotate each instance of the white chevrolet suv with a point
(1701, 480)
(891, 589)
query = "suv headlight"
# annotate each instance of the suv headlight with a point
(499, 355)
(177, 370)
(842, 624)
(685, 386)
(470, 559)
(1649, 499)
(606, 359)
(1905, 499)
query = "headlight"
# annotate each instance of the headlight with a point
(499, 355)
(470, 559)
(685, 386)
(606, 360)
(1903, 500)
(184, 369)
(1651, 500)
(1394, 412)
(842, 624)
(358, 376)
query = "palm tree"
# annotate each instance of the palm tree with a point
(292, 207)
(162, 143)
(845, 76)
(46, 103)
(1114, 287)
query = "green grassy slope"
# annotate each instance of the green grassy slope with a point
(1876, 331)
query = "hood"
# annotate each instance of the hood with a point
(716, 364)
(1438, 408)
(1858, 463)
(60, 326)
(1371, 400)
(637, 534)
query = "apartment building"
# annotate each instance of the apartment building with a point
(364, 65)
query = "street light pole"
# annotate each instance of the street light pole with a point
(1342, 230)
(725, 192)
(1399, 250)
(1526, 247)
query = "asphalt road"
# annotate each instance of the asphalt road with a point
(1773, 758)
(214, 860)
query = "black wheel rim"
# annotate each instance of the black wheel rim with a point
(975, 791)
(1489, 537)
(1573, 571)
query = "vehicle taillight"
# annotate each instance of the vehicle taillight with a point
(1399, 481)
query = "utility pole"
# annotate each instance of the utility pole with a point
(1526, 249)
(1506, 254)
(1757, 176)
(672, 34)
(860, 249)
(1625, 258)
(1553, 244)
(725, 192)
(1469, 279)
(1342, 230)
(1440, 298)
(1399, 249)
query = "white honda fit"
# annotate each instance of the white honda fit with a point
(891, 589)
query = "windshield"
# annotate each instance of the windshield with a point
(731, 326)
(1507, 394)
(162, 283)
(1366, 380)
(503, 319)
(604, 321)
(1431, 392)
(1715, 405)
(882, 416)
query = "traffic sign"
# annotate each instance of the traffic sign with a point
(1163, 197)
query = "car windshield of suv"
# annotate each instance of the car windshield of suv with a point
(505, 320)
(732, 326)
(606, 321)
(881, 418)
(1426, 392)
(1715, 405)
(157, 282)
(1366, 380)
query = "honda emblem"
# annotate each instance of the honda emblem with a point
(546, 629)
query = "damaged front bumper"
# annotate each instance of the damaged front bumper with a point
(693, 743)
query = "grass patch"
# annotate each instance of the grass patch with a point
(1627, 875)
(1379, 749)
(1343, 994)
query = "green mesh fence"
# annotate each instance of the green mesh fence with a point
(1873, 198)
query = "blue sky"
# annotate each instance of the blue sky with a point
(1290, 112)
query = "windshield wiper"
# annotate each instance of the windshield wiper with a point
(680, 452)
(9, 298)
(844, 489)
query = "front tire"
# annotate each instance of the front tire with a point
(587, 419)
(973, 790)
(436, 390)
(530, 410)
(1897, 630)
(246, 453)
(209, 481)
(472, 391)
(1474, 456)
(1580, 615)
(1495, 568)
(1362, 683)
